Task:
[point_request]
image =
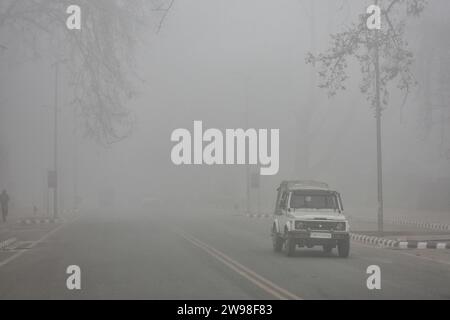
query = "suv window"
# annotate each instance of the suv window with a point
(313, 201)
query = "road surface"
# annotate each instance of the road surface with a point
(201, 255)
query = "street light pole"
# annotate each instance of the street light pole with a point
(378, 112)
(75, 161)
(247, 166)
(55, 139)
(55, 147)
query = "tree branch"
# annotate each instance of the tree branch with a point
(166, 12)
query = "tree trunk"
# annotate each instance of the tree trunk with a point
(378, 128)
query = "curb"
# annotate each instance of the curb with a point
(7, 243)
(421, 224)
(423, 245)
(374, 240)
(30, 221)
(254, 215)
(395, 244)
(258, 215)
(406, 222)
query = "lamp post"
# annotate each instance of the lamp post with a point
(55, 140)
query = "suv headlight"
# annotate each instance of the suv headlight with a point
(340, 226)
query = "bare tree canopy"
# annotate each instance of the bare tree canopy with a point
(359, 42)
(434, 76)
(383, 55)
(99, 56)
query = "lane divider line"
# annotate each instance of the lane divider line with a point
(250, 275)
(243, 274)
(285, 292)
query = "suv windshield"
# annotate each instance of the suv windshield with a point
(301, 200)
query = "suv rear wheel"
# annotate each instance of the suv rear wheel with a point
(344, 248)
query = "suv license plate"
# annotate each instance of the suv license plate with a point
(320, 235)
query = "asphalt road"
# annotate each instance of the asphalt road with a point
(202, 255)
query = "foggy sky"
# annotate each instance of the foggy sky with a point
(212, 61)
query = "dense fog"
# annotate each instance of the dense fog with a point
(231, 64)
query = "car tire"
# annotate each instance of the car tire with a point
(344, 248)
(289, 247)
(277, 241)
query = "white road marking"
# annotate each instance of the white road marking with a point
(247, 273)
(43, 238)
(7, 243)
(403, 245)
(13, 246)
(422, 245)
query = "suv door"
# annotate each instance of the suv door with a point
(283, 208)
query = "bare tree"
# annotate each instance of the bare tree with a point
(434, 73)
(303, 163)
(164, 7)
(99, 56)
(383, 56)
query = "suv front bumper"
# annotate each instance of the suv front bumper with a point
(305, 238)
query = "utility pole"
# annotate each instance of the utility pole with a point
(378, 112)
(75, 161)
(55, 140)
(259, 188)
(247, 166)
(55, 147)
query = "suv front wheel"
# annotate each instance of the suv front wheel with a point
(289, 245)
(277, 241)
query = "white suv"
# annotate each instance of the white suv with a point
(308, 214)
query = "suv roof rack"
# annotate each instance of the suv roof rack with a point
(305, 184)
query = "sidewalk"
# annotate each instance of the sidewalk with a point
(19, 219)
(404, 236)
(13, 216)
